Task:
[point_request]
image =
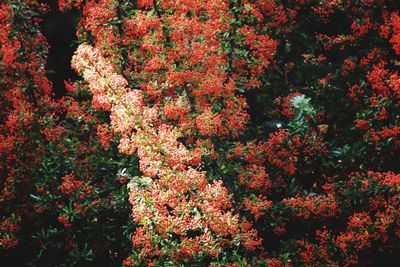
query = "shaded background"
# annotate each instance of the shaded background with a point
(59, 28)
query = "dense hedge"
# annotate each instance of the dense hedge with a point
(203, 133)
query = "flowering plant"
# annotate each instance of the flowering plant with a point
(203, 133)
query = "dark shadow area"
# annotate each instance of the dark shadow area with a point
(59, 28)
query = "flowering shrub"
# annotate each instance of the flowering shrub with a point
(203, 133)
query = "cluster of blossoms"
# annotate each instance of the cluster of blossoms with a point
(172, 193)
(204, 133)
